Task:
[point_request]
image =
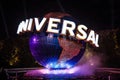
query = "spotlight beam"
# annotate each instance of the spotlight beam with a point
(4, 21)
(60, 5)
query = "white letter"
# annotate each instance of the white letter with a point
(96, 40)
(68, 26)
(39, 25)
(30, 25)
(22, 26)
(91, 37)
(52, 25)
(81, 33)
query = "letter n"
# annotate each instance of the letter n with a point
(22, 26)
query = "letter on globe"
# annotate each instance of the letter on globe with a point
(68, 26)
(30, 25)
(22, 26)
(53, 25)
(39, 25)
(92, 38)
(81, 34)
(96, 40)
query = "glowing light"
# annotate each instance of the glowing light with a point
(50, 36)
(61, 65)
(13, 60)
(74, 71)
(34, 39)
(91, 64)
(68, 66)
(61, 71)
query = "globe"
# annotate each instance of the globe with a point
(56, 51)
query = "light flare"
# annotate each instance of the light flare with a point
(60, 65)
(59, 71)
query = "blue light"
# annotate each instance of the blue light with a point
(71, 70)
(68, 66)
(51, 64)
(61, 65)
(34, 39)
(56, 66)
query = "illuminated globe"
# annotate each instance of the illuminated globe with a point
(54, 50)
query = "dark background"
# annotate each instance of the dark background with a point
(95, 14)
(102, 16)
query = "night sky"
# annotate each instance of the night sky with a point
(95, 14)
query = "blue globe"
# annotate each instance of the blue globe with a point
(56, 51)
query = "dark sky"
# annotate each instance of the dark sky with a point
(95, 14)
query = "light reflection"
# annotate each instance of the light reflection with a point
(34, 39)
(50, 35)
(59, 71)
(61, 65)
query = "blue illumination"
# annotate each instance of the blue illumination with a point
(34, 39)
(49, 49)
(61, 65)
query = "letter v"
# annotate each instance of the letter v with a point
(39, 25)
